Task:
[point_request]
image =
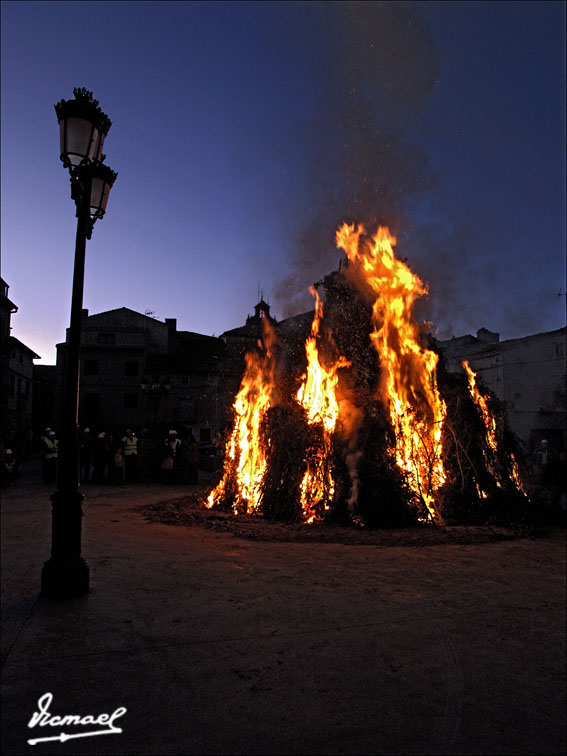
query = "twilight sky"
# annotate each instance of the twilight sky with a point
(245, 133)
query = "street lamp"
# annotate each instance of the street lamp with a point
(83, 128)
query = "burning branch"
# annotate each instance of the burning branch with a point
(408, 385)
(245, 460)
(317, 397)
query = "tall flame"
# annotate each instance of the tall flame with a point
(408, 371)
(245, 460)
(318, 398)
(487, 417)
(490, 428)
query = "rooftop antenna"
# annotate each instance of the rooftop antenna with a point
(560, 294)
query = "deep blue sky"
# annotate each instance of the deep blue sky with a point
(244, 133)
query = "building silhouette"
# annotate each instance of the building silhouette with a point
(137, 372)
(16, 381)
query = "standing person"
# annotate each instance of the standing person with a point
(172, 444)
(116, 464)
(130, 444)
(86, 454)
(43, 445)
(100, 449)
(543, 460)
(9, 468)
(182, 460)
(50, 453)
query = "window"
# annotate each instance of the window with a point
(130, 401)
(12, 384)
(91, 407)
(131, 368)
(91, 367)
(106, 338)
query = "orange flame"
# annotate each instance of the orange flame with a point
(409, 371)
(317, 396)
(480, 401)
(490, 427)
(245, 461)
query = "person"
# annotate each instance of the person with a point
(100, 448)
(43, 444)
(9, 470)
(130, 444)
(172, 444)
(557, 472)
(50, 454)
(116, 462)
(86, 454)
(187, 460)
(543, 460)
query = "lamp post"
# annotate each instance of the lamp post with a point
(83, 128)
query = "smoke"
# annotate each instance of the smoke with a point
(352, 461)
(375, 69)
(352, 416)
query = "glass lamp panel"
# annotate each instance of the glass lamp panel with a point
(98, 143)
(99, 195)
(79, 140)
(97, 192)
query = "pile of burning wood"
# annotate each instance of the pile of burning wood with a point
(368, 427)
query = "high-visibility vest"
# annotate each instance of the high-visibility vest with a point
(51, 448)
(173, 445)
(130, 446)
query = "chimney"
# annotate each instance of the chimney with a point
(171, 323)
(84, 314)
(483, 334)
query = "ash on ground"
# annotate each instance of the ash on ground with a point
(189, 511)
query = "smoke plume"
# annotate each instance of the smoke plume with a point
(376, 70)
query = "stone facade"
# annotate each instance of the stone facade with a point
(137, 372)
(528, 374)
(19, 406)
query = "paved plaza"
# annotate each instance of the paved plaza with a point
(220, 645)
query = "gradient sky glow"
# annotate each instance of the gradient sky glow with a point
(221, 113)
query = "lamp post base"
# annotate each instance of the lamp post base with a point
(66, 573)
(64, 578)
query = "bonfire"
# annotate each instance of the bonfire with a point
(369, 433)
